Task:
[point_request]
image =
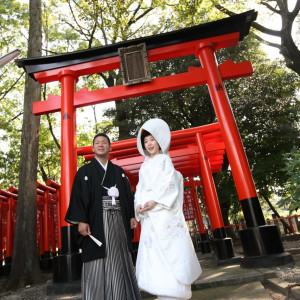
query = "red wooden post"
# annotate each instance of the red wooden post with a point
(57, 187)
(53, 223)
(39, 224)
(11, 212)
(234, 148)
(291, 224)
(1, 232)
(204, 244)
(197, 206)
(9, 232)
(258, 239)
(213, 206)
(70, 256)
(46, 224)
(58, 192)
(4, 269)
(223, 247)
(68, 81)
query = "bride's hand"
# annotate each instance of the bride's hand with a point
(139, 209)
(149, 205)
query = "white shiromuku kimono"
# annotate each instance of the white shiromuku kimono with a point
(166, 264)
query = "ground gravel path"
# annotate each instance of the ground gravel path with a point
(288, 274)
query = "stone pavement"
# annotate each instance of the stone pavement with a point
(229, 282)
(232, 282)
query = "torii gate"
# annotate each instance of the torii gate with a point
(262, 244)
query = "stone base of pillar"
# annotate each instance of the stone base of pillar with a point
(205, 243)
(205, 247)
(267, 261)
(46, 262)
(223, 248)
(261, 240)
(67, 268)
(263, 247)
(5, 270)
(236, 260)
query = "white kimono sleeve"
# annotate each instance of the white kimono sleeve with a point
(167, 186)
(137, 201)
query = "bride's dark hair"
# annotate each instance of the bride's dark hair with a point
(143, 135)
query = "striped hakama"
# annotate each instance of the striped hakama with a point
(111, 277)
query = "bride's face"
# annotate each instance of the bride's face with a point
(151, 145)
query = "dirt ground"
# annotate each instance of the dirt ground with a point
(291, 275)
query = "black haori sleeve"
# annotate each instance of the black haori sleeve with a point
(130, 197)
(80, 198)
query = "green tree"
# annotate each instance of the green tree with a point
(98, 23)
(25, 267)
(13, 24)
(291, 192)
(287, 13)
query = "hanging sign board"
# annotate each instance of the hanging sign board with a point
(188, 206)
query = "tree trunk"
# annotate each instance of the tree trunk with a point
(288, 48)
(121, 120)
(25, 268)
(285, 225)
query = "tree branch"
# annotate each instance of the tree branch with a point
(277, 214)
(144, 13)
(294, 13)
(75, 19)
(52, 133)
(271, 8)
(44, 174)
(266, 30)
(6, 92)
(19, 114)
(278, 46)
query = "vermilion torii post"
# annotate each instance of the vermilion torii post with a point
(204, 243)
(223, 247)
(257, 238)
(68, 81)
(234, 148)
(69, 250)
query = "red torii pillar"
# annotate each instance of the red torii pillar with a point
(2, 205)
(204, 243)
(258, 239)
(57, 187)
(10, 226)
(223, 247)
(67, 265)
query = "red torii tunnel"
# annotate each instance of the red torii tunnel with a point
(261, 243)
(184, 152)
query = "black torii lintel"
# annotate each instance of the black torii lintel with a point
(238, 23)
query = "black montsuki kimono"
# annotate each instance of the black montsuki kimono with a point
(86, 205)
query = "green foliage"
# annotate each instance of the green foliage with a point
(10, 160)
(49, 153)
(13, 18)
(291, 197)
(13, 26)
(265, 105)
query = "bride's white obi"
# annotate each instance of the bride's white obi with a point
(159, 181)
